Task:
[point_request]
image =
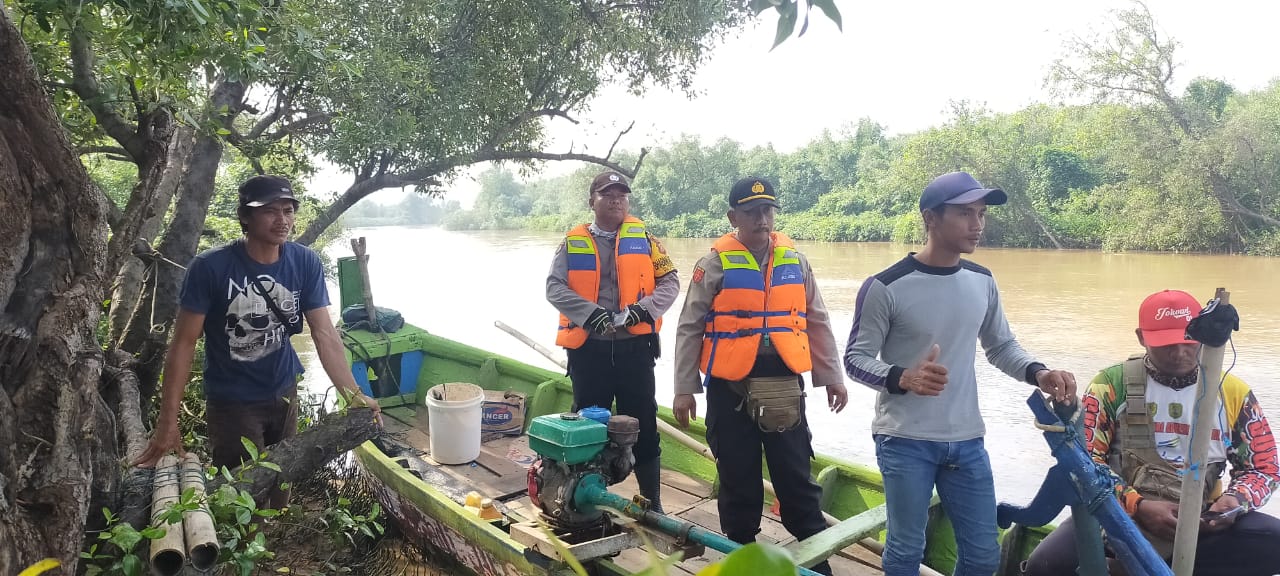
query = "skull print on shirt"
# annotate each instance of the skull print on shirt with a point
(253, 331)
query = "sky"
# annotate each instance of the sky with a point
(900, 64)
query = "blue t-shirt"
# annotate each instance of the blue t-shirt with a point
(248, 357)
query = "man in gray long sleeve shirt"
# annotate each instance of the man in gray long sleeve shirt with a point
(612, 282)
(912, 341)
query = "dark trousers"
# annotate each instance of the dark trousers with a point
(605, 371)
(263, 423)
(1250, 547)
(736, 440)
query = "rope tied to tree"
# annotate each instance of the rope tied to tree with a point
(144, 251)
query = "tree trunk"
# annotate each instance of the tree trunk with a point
(132, 500)
(147, 334)
(299, 457)
(128, 283)
(151, 171)
(52, 253)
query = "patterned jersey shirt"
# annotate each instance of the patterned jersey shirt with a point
(1249, 447)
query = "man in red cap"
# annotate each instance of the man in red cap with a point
(1137, 419)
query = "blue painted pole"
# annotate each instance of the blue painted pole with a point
(1079, 481)
(591, 493)
(1088, 532)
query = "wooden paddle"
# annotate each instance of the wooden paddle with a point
(689, 442)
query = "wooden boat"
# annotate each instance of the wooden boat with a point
(426, 498)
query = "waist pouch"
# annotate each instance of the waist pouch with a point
(1161, 482)
(775, 403)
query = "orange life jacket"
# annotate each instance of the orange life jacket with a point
(634, 262)
(752, 303)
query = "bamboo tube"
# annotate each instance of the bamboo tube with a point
(167, 556)
(689, 442)
(197, 525)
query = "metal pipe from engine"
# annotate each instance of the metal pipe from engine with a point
(167, 552)
(197, 525)
(591, 492)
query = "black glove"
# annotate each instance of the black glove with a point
(1214, 325)
(600, 322)
(637, 314)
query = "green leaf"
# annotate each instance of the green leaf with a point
(202, 15)
(270, 466)
(124, 536)
(243, 516)
(267, 512)
(829, 8)
(786, 23)
(248, 444)
(225, 132)
(758, 6)
(131, 565)
(153, 532)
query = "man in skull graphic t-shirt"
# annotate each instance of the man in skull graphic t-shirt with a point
(247, 298)
(247, 353)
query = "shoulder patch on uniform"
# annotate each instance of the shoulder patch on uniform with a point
(657, 244)
(698, 272)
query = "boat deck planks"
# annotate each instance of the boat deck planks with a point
(500, 472)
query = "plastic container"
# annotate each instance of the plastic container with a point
(596, 413)
(453, 411)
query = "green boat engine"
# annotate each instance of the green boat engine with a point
(571, 447)
(578, 459)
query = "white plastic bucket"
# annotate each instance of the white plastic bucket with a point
(454, 410)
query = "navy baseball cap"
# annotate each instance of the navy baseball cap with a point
(959, 188)
(751, 193)
(265, 189)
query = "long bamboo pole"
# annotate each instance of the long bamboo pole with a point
(689, 442)
(1192, 497)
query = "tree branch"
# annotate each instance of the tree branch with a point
(118, 151)
(293, 127)
(500, 155)
(87, 88)
(609, 154)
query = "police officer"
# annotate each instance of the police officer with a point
(753, 322)
(612, 282)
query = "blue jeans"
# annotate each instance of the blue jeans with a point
(962, 473)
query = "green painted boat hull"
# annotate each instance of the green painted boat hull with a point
(431, 518)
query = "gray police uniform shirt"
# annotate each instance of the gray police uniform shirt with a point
(708, 277)
(577, 309)
(901, 313)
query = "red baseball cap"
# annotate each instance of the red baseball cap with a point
(1163, 317)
